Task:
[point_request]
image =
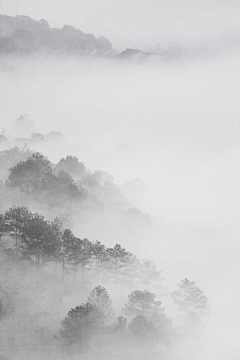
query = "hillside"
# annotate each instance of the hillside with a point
(23, 35)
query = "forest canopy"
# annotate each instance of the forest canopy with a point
(23, 35)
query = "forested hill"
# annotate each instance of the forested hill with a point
(23, 35)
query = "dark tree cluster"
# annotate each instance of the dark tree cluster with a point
(145, 318)
(47, 241)
(97, 316)
(36, 177)
(21, 34)
(44, 241)
(66, 184)
(11, 157)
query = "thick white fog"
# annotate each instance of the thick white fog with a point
(140, 23)
(175, 126)
(173, 123)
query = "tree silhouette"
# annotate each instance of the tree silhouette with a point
(16, 220)
(80, 255)
(40, 239)
(81, 324)
(149, 276)
(141, 326)
(99, 256)
(72, 166)
(162, 325)
(31, 176)
(119, 262)
(120, 325)
(101, 299)
(67, 248)
(142, 303)
(11, 157)
(191, 301)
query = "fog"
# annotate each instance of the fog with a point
(142, 24)
(175, 125)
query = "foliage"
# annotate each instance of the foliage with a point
(191, 301)
(11, 157)
(100, 298)
(15, 222)
(119, 261)
(162, 325)
(120, 325)
(141, 326)
(81, 324)
(41, 238)
(72, 166)
(21, 34)
(142, 303)
(35, 177)
(31, 176)
(148, 275)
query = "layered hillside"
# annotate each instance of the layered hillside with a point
(23, 35)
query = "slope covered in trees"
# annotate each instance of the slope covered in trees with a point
(23, 35)
(64, 292)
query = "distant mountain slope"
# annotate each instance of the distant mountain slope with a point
(23, 35)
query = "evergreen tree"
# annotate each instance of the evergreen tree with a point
(11, 157)
(142, 303)
(85, 257)
(57, 234)
(141, 326)
(120, 325)
(31, 176)
(148, 275)
(80, 256)
(162, 325)
(81, 324)
(72, 166)
(40, 239)
(191, 301)
(100, 258)
(101, 299)
(119, 262)
(67, 248)
(16, 220)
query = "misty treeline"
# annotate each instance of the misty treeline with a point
(142, 319)
(26, 134)
(23, 35)
(55, 285)
(66, 187)
(45, 242)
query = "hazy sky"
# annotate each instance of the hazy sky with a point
(140, 23)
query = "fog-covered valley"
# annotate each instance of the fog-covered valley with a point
(157, 143)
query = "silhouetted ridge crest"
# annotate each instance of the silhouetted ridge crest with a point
(21, 34)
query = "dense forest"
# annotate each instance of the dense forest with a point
(23, 35)
(66, 294)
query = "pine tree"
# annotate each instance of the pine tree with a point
(191, 301)
(39, 239)
(81, 324)
(101, 299)
(99, 256)
(80, 255)
(16, 220)
(67, 246)
(142, 303)
(85, 257)
(141, 326)
(31, 176)
(148, 275)
(120, 325)
(119, 262)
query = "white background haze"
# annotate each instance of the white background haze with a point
(179, 123)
